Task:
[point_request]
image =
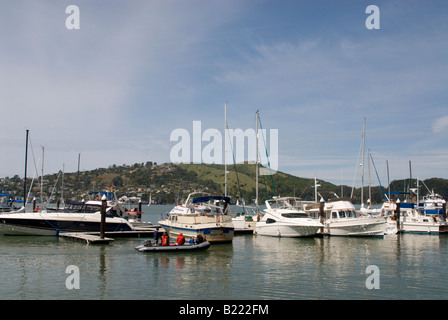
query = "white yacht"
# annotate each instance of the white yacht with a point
(202, 214)
(80, 217)
(284, 218)
(413, 220)
(341, 219)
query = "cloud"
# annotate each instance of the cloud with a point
(440, 125)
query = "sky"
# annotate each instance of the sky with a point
(116, 88)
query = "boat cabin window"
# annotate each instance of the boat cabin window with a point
(352, 214)
(334, 214)
(269, 220)
(295, 215)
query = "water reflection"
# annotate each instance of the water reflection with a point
(252, 267)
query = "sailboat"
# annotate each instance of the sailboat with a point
(246, 220)
(150, 200)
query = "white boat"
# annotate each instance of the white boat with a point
(284, 218)
(341, 219)
(201, 214)
(434, 204)
(80, 217)
(413, 220)
(246, 219)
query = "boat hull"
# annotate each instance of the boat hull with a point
(175, 248)
(423, 228)
(213, 233)
(356, 227)
(285, 230)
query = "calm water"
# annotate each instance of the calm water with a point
(252, 267)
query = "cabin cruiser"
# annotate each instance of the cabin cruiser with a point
(341, 219)
(78, 217)
(413, 219)
(201, 214)
(284, 218)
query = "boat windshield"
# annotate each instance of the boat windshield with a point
(295, 215)
(286, 203)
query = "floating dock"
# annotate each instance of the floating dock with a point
(88, 238)
(95, 238)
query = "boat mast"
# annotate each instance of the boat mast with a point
(370, 185)
(42, 179)
(256, 158)
(225, 149)
(363, 152)
(26, 161)
(62, 187)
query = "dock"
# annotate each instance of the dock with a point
(85, 237)
(95, 238)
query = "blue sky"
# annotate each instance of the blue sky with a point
(135, 71)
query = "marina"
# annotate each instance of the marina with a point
(251, 267)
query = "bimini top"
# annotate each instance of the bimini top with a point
(207, 198)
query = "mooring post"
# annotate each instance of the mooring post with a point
(139, 214)
(103, 216)
(321, 213)
(397, 212)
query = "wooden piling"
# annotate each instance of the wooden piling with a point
(103, 217)
(321, 214)
(397, 215)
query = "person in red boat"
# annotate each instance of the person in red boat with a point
(180, 239)
(165, 240)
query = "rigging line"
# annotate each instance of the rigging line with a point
(381, 187)
(234, 164)
(356, 169)
(35, 167)
(267, 155)
(54, 187)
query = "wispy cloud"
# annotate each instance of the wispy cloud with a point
(440, 125)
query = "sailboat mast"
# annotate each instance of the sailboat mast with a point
(42, 179)
(363, 152)
(62, 187)
(225, 149)
(256, 157)
(26, 161)
(370, 185)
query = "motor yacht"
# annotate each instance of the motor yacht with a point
(77, 217)
(201, 214)
(341, 219)
(284, 218)
(413, 219)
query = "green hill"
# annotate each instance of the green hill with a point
(170, 182)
